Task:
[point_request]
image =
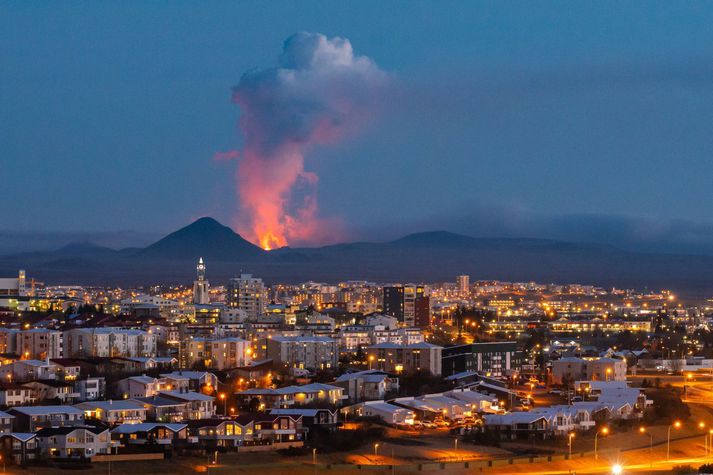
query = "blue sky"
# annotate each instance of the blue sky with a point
(572, 120)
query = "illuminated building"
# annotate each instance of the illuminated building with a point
(303, 352)
(248, 294)
(108, 342)
(409, 304)
(594, 369)
(463, 283)
(490, 359)
(39, 344)
(222, 353)
(394, 358)
(201, 286)
(14, 286)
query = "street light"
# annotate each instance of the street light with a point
(570, 436)
(314, 456)
(702, 425)
(616, 469)
(603, 431)
(677, 425)
(642, 430)
(455, 443)
(376, 450)
(225, 403)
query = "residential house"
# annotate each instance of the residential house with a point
(114, 412)
(51, 390)
(12, 394)
(389, 413)
(139, 386)
(367, 385)
(514, 425)
(19, 447)
(311, 418)
(28, 370)
(150, 433)
(71, 442)
(196, 380)
(201, 406)
(293, 395)
(33, 418)
(163, 409)
(278, 428)
(90, 388)
(6, 422)
(224, 433)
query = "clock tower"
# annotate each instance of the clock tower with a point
(200, 285)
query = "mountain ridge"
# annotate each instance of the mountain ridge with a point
(429, 256)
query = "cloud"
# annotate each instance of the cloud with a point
(319, 93)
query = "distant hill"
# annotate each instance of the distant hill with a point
(434, 256)
(206, 238)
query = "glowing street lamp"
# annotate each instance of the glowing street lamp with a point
(702, 426)
(570, 436)
(642, 430)
(603, 431)
(616, 469)
(376, 450)
(225, 403)
(677, 425)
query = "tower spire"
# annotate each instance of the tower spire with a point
(201, 285)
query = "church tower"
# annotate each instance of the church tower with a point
(200, 285)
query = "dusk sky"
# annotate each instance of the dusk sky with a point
(581, 121)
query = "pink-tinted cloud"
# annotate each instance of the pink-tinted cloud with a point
(319, 93)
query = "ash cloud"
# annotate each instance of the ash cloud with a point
(319, 93)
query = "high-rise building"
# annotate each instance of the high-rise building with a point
(463, 282)
(409, 304)
(247, 293)
(394, 302)
(201, 285)
(14, 286)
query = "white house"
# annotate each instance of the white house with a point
(390, 414)
(69, 442)
(114, 412)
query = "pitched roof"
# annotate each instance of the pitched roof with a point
(50, 431)
(145, 427)
(187, 396)
(111, 405)
(44, 410)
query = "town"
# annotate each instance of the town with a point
(355, 373)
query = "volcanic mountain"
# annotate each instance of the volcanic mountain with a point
(434, 256)
(207, 238)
